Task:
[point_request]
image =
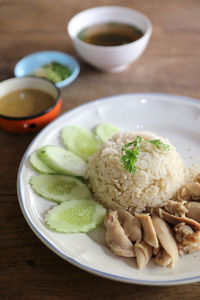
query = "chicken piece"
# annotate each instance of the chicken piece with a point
(190, 244)
(148, 230)
(116, 238)
(188, 241)
(183, 194)
(194, 188)
(166, 238)
(176, 208)
(197, 178)
(163, 259)
(175, 219)
(131, 225)
(181, 231)
(156, 250)
(189, 191)
(193, 208)
(143, 254)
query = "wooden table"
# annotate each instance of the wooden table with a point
(171, 64)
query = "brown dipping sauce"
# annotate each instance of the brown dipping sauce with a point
(24, 103)
(110, 34)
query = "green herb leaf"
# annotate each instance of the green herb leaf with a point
(131, 151)
(158, 144)
(53, 71)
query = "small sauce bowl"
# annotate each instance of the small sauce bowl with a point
(30, 63)
(32, 122)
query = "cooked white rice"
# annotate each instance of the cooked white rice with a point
(159, 173)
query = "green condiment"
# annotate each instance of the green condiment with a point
(53, 71)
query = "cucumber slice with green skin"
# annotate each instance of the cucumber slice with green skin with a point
(75, 216)
(104, 131)
(62, 161)
(80, 141)
(39, 166)
(59, 188)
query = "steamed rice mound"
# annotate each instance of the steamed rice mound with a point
(159, 173)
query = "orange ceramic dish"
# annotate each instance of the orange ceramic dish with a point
(33, 122)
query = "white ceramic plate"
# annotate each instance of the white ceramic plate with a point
(175, 117)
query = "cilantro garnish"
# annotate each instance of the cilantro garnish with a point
(131, 151)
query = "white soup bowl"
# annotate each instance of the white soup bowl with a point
(110, 58)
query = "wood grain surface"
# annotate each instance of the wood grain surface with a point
(170, 64)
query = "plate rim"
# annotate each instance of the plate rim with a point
(60, 253)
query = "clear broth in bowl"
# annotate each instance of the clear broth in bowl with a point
(25, 102)
(110, 34)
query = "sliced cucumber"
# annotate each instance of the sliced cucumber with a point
(62, 161)
(104, 131)
(39, 166)
(80, 141)
(59, 188)
(75, 216)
